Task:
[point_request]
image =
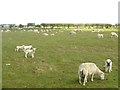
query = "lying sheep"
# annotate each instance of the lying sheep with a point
(108, 65)
(113, 34)
(86, 69)
(29, 52)
(18, 48)
(100, 35)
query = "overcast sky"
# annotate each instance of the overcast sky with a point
(58, 11)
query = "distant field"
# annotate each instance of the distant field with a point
(57, 59)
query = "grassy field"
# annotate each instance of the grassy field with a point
(57, 59)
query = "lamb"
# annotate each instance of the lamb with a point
(108, 65)
(114, 34)
(18, 48)
(100, 35)
(27, 47)
(30, 52)
(86, 69)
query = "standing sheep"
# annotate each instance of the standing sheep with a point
(30, 52)
(18, 48)
(100, 35)
(108, 65)
(86, 69)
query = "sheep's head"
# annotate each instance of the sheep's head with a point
(102, 76)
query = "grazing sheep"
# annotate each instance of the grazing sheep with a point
(52, 34)
(108, 65)
(100, 35)
(113, 34)
(45, 34)
(18, 48)
(86, 69)
(30, 52)
(72, 32)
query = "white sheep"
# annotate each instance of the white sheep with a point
(52, 34)
(86, 69)
(108, 65)
(45, 34)
(113, 34)
(18, 48)
(27, 47)
(100, 35)
(72, 32)
(8, 30)
(29, 52)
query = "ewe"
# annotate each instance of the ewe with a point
(113, 34)
(86, 69)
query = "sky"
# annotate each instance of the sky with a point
(58, 11)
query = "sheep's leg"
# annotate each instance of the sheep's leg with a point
(110, 68)
(32, 55)
(17, 49)
(26, 55)
(79, 77)
(106, 69)
(85, 80)
(92, 77)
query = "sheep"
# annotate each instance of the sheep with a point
(45, 34)
(114, 34)
(27, 47)
(30, 52)
(72, 32)
(108, 65)
(19, 48)
(1, 30)
(100, 35)
(36, 31)
(86, 69)
(52, 34)
(8, 30)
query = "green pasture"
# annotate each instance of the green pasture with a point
(57, 59)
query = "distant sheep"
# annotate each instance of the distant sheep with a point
(113, 34)
(108, 65)
(45, 34)
(100, 35)
(86, 69)
(72, 32)
(27, 47)
(52, 34)
(18, 48)
(29, 52)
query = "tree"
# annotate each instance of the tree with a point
(21, 26)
